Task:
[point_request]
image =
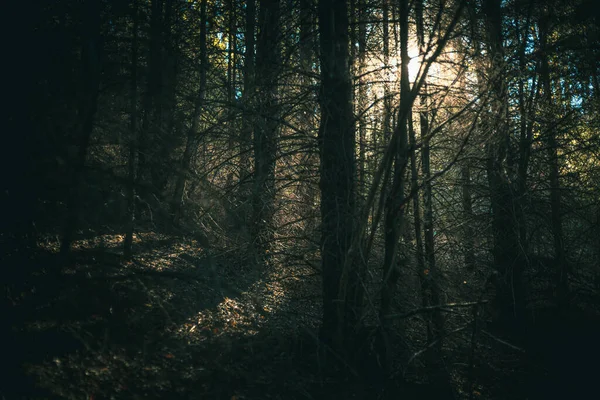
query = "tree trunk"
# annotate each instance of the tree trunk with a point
(362, 98)
(508, 258)
(387, 101)
(265, 131)
(193, 135)
(232, 128)
(165, 128)
(561, 273)
(423, 272)
(131, 162)
(467, 208)
(90, 84)
(338, 167)
(434, 276)
(151, 105)
(394, 219)
(307, 112)
(525, 129)
(248, 94)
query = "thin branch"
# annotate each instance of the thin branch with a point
(441, 307)
(504, 342)
(433, 343)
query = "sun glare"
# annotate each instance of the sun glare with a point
(414, 64)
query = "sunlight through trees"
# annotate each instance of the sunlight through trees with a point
(301, 199)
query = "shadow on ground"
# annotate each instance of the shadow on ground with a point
(174, 324)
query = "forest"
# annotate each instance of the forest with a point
(301, 199)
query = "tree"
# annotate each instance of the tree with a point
(553, 161)
(193, 135)
(266, 126)
(338, 180)
(508, 257)
(91, 50)
(435, 152)
(131, 167)
(248, 91)
(395, 204)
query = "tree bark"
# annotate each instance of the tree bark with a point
(394, 219)
(90, 85)
(266, 129)
(308, 117)
(152, 105)
(193, 135)
(131, 162)
(508, 257)
(233, 131)
(561, 273)
(338, 168)
(467, 208)
(248, 94)
(525, 129)
(387, 101)
(362, 98)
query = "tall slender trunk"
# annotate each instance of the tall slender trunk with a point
(466, 181)
(394, 219)
(423, 272)
(265, 132)
(427, 192)
(90, 84)
(307, 111)
(151, 107)
(165, 127)
(387, 101)
(338, 167)
(248, 94)
(433, 278)
(508, 257)
(193, 135)
(561, 273)
(231, 53)
(362, 97)
(233, 133)
(525, 128)
(431, 284)
(131, 162)
(467, 209)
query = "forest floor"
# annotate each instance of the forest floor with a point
(167, 325)
(174, 325)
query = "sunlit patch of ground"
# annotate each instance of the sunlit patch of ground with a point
(164, 325)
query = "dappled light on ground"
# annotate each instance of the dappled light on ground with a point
(162, 323)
